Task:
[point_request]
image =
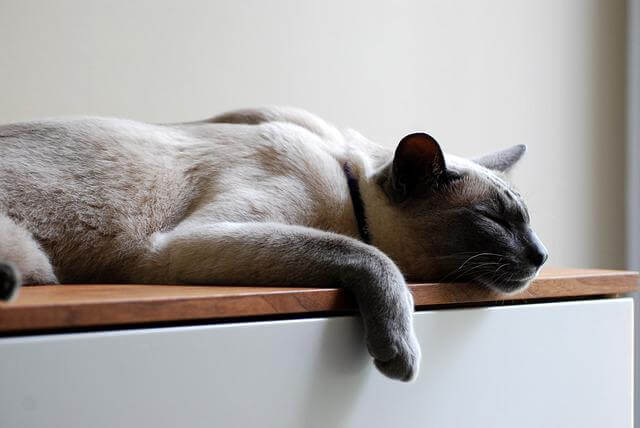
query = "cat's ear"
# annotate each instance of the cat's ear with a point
(502, 160)
(417, 164)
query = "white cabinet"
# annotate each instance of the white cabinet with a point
(565, 364)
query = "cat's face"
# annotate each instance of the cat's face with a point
(467, 223)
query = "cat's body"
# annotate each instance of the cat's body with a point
(254, 197)
(105, 189)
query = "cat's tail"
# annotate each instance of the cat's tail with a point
(9, 281)
(22, 260)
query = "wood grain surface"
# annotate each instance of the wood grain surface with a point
(45, 307)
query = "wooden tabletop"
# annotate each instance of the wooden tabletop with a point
(49, 307)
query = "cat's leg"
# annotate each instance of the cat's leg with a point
(277, 254)
(22, 261)
(296, 116)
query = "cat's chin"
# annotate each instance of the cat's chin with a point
(509, 288)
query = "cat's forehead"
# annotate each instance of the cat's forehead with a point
(479, 184)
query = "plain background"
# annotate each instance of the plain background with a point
(478, 75)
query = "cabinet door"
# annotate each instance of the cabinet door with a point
(540, 365)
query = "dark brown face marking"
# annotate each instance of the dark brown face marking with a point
(475, 228)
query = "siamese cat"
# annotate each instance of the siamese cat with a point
(267, 196)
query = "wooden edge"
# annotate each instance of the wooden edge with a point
(560, 286)
(95, 314)
(256, 301)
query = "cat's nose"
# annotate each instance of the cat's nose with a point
(537, 253)
(539, 256)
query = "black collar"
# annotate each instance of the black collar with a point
(358, 206)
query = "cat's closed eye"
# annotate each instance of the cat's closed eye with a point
(493, 217)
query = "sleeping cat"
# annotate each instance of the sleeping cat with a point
(267, 196)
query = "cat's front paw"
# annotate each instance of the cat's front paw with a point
(404, 362)
(393, 344)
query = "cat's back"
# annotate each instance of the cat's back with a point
(68, 141)
(86, 158)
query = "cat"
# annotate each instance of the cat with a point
(261, 196)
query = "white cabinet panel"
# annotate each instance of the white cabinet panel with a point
(543, 365)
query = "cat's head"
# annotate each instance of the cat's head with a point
(458, 219)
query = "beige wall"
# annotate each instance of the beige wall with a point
(478, 75)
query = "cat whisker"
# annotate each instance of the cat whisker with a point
(460, 255)
(467, 261)
(475, 267)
